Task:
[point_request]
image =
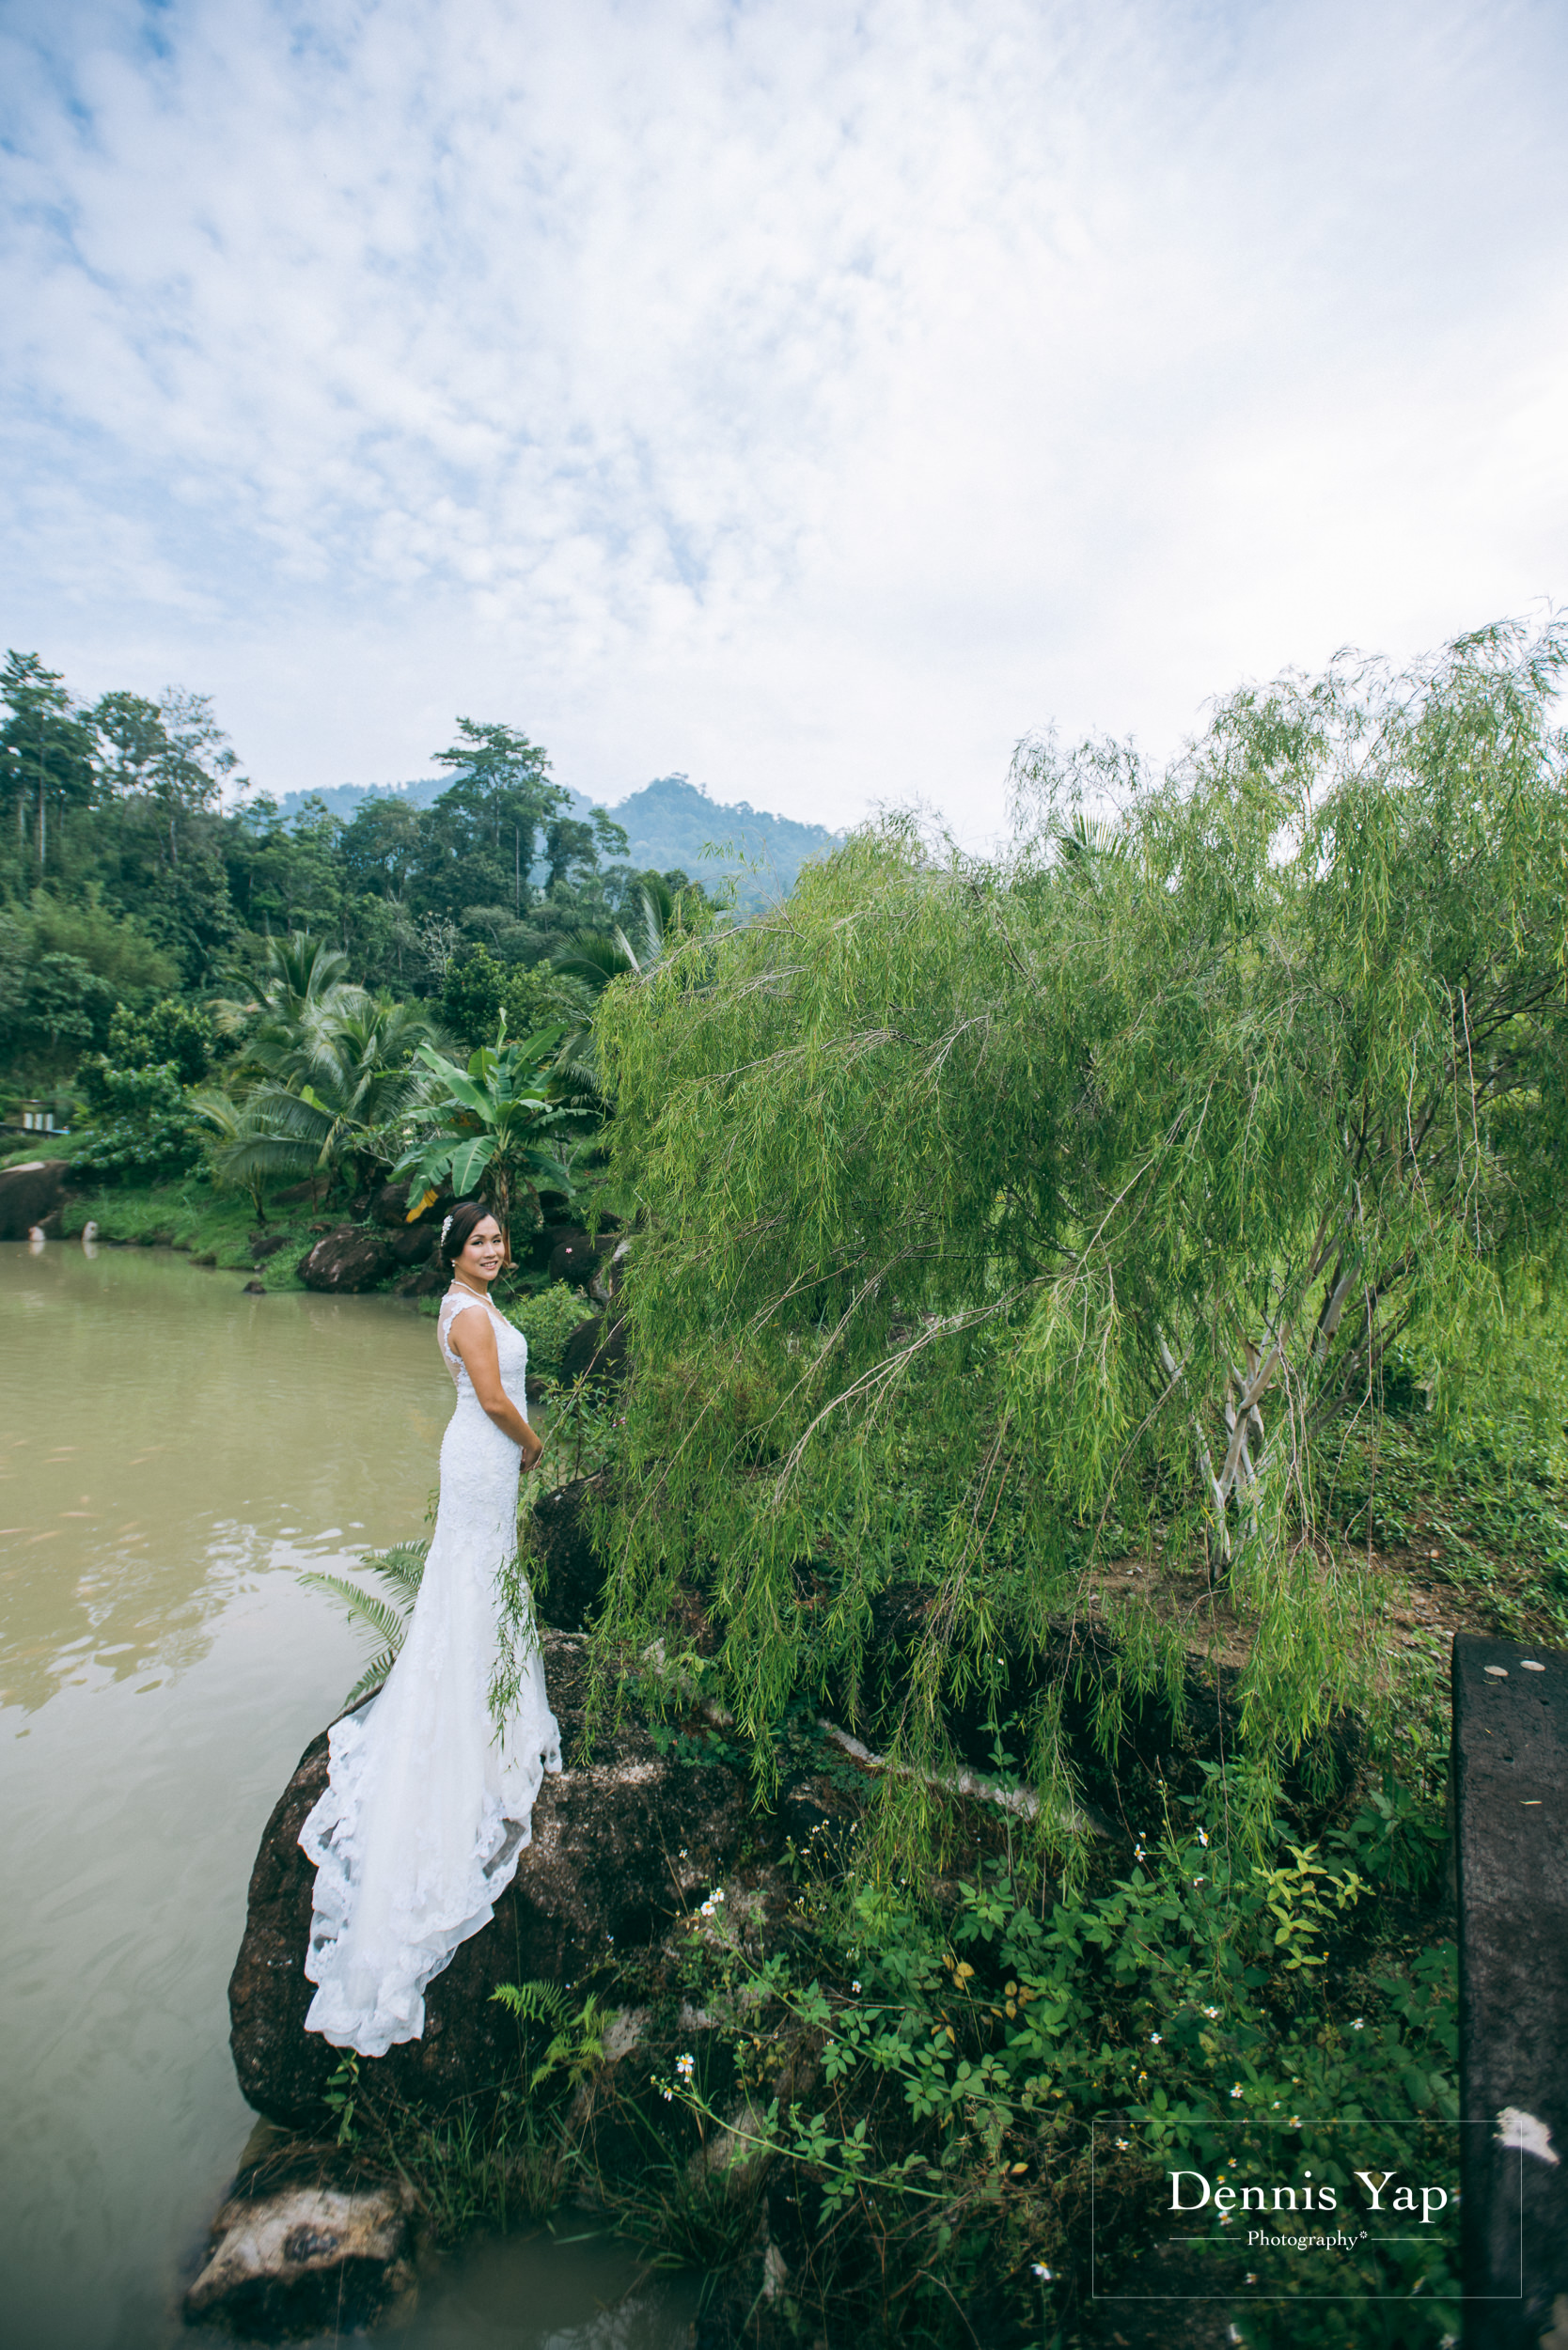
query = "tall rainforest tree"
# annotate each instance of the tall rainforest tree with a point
(46, 750)
(1001, 1215)
(503, 785)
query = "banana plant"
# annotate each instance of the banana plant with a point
(495, 1127)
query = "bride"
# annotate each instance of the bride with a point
(427, 1804)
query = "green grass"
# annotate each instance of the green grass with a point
(188, 1215)
(1480, 1507)
(29, 1147)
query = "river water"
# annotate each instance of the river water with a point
(172, 1453)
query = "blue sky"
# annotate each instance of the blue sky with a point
(815, 399)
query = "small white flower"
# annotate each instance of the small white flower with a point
(1213, 2014)
(1154, 2036)
(1251, 2276)
(1123, 2146)
(1201, 1880)
(1237, 2089)
(1137, 1852)
(1225, 2219)
(667, 2094)
(1357, 2023)
(1203, 1838)
(856, 1989)
(685, 2066)
(1294, 2121)
(1042, 2275)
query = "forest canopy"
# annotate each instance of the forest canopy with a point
(135, 864)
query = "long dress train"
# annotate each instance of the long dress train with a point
(427, 1809)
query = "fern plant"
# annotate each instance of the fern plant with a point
(578, 2044)
(384, 1620)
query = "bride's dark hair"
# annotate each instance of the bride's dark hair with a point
(460, 1224)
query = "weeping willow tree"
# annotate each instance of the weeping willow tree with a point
(999, 1216)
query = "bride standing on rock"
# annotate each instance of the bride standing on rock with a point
(427, 1804)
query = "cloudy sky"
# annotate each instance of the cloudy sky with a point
(808, 396)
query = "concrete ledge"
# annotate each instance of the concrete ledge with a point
(1510, 1832)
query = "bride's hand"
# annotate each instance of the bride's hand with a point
(532, 1452)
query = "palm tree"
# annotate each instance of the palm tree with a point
(335, 1084)
(242, 1150)
(491, 1127)
(300, 979)
(653, 926)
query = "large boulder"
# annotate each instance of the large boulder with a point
(622, 1842)
(425, 1282)
(413, 1244)
(574, 1257)
(28, 1194)
(568, 1590)
(347, 1258)
(596, 1350)
(390, 1204)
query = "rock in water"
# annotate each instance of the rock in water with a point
(620, 1844)
(29, 1194)
(347, 1258)
(304, 2258)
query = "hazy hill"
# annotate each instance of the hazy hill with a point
(668, 823)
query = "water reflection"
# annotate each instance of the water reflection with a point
(164, 1437)
(479, 2303)
(170, 1448)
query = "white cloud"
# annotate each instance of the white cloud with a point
(814, 399)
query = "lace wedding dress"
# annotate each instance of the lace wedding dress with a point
(427, 1809)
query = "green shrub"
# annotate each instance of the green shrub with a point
(167, 1030)
(1196, 2007)
(141, 1127)
(478, 988)
(547, 1320)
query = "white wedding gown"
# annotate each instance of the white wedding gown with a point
(427, 1809)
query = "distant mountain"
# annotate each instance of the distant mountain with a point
(668, 823)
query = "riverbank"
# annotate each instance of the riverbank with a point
(944, 2108)
(945, 2112)
(211, 1228)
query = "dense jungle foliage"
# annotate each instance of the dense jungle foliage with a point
(130, 872)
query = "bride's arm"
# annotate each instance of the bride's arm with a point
(473, 1341)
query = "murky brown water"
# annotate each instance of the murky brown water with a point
(171, 1453)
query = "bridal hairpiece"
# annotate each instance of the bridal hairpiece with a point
(446, 1227)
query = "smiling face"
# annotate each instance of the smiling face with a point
(482, 1254)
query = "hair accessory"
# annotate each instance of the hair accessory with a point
(446, 1227)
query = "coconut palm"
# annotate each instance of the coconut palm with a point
(243, 1150)
(346, 1075)
(300, 979)
(653, 925)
